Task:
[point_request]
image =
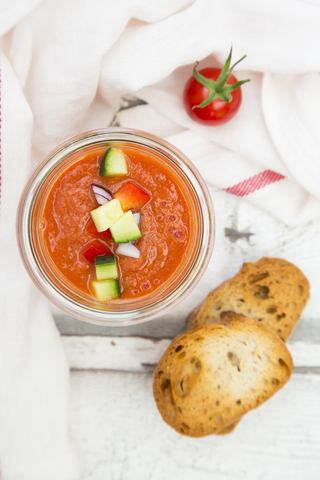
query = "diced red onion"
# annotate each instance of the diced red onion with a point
(137, 217)
(102, 194)
(128, 250)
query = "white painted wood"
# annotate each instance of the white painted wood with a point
(305, 354)
(131, 354)
(121, 435)
(134, 354)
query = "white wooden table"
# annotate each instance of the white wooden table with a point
(113, 417)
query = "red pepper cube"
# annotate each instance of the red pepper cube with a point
(91, 228)
(131, 197)
(95, 249)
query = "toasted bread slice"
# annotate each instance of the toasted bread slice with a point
(229, 429)
(211, 376)
(271, 290)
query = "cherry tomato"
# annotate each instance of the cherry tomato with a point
(213, 95)
(218, 111)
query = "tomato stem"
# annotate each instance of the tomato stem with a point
(220, 88)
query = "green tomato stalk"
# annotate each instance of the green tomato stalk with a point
(219, 88)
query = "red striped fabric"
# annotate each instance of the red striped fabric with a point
(254, 183)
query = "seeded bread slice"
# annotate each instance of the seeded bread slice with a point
(270, 290)
(210, 376)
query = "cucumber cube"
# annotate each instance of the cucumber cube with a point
(106, 215)
(106, 267)
(125, 229)
(114, 163)
(106, 290)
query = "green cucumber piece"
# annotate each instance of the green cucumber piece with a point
(106, 215)
(106, 267)
(113, 163)
(106, 290)
(125, 229)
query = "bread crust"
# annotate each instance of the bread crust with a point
(271, 290)
(211, 376)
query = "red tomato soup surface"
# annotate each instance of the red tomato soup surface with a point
(167, 223)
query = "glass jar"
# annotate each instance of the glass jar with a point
(53, 285)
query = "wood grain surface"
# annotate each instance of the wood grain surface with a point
(121, 435)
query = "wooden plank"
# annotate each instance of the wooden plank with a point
(305, 354)
(136, 354)
(121, 435)
(131, 354)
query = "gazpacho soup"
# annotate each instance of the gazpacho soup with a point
(117, 223)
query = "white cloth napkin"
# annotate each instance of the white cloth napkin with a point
(269, 153)
(65, 64)
(34, 376)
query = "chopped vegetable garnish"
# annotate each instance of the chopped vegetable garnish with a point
(102, 194)
(106, 267)
(125, 229)
(106, 215)
(137, 218)
(106, 290)
(91, 228)
(96, 248)
(128, 250)
(131, 197)
(114, 163)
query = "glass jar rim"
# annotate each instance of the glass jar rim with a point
(114, 317)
